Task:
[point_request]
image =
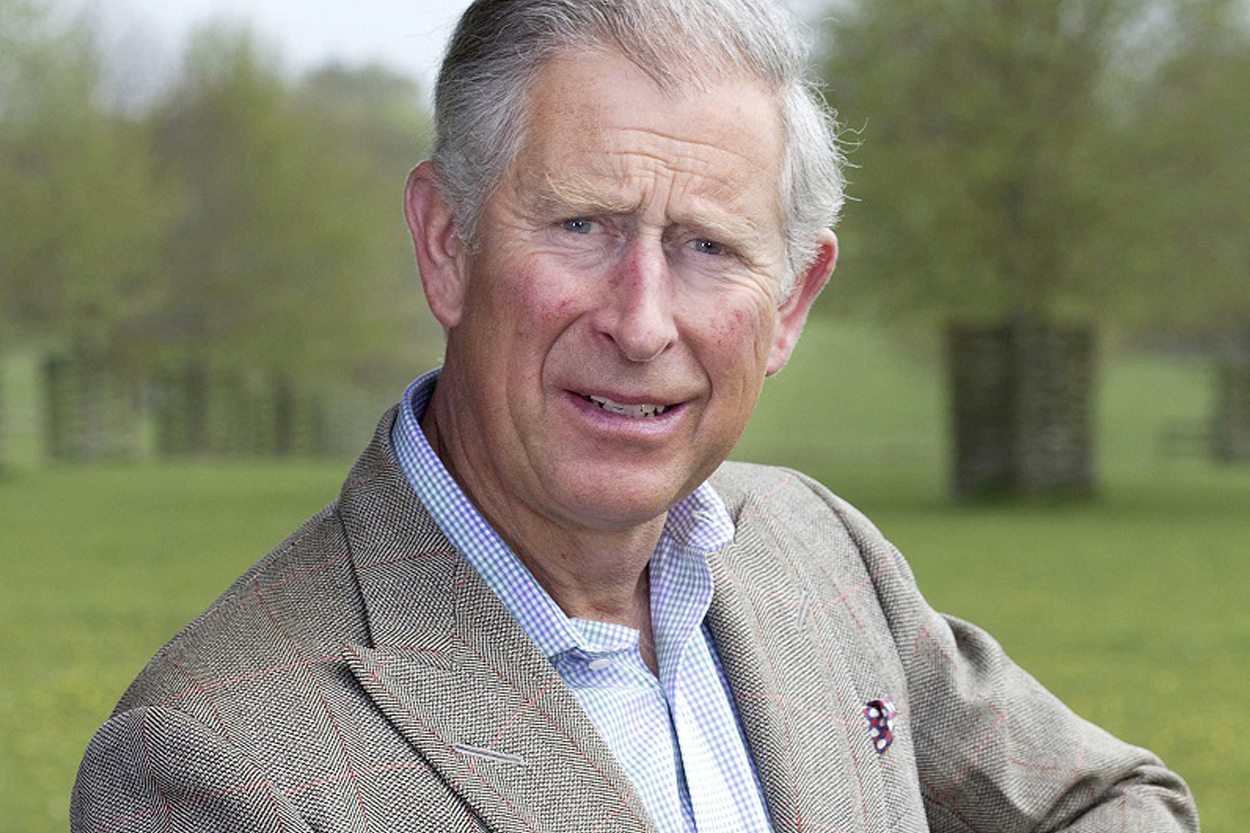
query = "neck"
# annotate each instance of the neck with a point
(598, 574)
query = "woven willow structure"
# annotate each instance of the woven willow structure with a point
(1022, 410)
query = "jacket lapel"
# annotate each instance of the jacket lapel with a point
(453, 672)
(456, 675)
(780, 633)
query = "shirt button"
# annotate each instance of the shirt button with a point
(599, 664)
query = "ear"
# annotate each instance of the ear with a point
(439, 249)
(793, 311)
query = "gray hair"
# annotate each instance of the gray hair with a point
(500, 46)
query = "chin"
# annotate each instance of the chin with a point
(605, 505)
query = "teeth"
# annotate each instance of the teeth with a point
(632, 411)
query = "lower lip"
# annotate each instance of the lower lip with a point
(622, 425)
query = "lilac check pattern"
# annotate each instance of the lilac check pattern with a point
(677, 736)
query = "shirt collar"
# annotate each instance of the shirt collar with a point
(695, 527)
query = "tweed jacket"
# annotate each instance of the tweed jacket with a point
(362, 677)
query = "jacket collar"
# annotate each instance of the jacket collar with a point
(454, 673)
(457, 676)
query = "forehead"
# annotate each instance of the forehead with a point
(600, 129)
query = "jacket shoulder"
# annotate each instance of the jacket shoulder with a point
(297, 603)
(738, 483)
(797, 497)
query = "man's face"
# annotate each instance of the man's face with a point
(620, 311)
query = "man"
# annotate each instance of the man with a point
(537, 604)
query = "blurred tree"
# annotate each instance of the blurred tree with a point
(979, 184)
(374, 123)
(80, 223)
(14, 20)
(245, 235)
(287, 257)
(1183, 131)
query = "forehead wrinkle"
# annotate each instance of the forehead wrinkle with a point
(690, 165)
(689, 147)
(699, 182)
(679, 169)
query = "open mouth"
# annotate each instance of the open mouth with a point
(641, 411)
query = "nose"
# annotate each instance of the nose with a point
(637, 310)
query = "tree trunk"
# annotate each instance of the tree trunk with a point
(301, 423)
(90, 400)
(62, 429)
(171, 435)
(1021, 398)
(1230, 435)
(4, 422)
(182, 411)
(196, 384)
(284, 415)
(230, 393)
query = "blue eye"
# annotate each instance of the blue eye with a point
(578, 225)
(709, 247)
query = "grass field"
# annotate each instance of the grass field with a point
(1131, 606)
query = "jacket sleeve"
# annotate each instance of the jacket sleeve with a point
(157, 769)
(995, 751)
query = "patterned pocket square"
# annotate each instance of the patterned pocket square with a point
(880, 715)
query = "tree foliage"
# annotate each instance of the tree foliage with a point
(83, 213)
(1182, 204)
(981, 190)
(287, 248)
(979, 127)
(244, 223)
(1044, 158)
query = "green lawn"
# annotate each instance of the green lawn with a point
(1131, 606)
(101, 566)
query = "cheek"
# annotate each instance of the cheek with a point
(557, 309)
(535, 303)
(738, 335)
(543, 317)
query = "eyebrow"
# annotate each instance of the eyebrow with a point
(578, 195)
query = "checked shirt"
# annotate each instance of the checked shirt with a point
(676, 736)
